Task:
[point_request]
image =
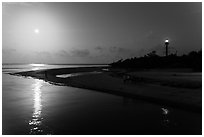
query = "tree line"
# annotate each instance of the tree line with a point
(192, 60)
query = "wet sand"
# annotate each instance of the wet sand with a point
(173, 88)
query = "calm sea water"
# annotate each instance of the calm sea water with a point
(32, 106)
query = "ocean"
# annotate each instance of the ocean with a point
(32, 106)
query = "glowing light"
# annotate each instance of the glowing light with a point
(36, 31)
(166, 41)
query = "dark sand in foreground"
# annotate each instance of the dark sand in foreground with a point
(174, 88)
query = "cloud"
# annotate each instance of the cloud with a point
(80, 52)
(98, 51)
(74, 53)
(113, 49)
(62, 53)
(98, 48)
(43, 53)
(119, 50)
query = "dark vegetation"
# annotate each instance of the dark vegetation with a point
(193, 60)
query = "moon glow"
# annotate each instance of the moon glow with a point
(36, 31)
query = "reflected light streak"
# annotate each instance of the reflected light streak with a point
(36, 68)
(165, 111)
(165, 116)
(36, 121)
(37, 65)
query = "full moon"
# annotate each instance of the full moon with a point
(36, 31)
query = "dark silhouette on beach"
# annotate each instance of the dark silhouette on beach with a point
(193, 60)
(46, 77)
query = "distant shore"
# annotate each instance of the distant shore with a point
(173, 88)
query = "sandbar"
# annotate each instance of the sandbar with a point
(173, 88)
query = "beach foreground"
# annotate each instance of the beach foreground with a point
(173, 88)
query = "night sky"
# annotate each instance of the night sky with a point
(97, 32)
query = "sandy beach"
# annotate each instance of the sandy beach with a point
(173, 88)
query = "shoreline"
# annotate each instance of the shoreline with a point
(145, 87)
